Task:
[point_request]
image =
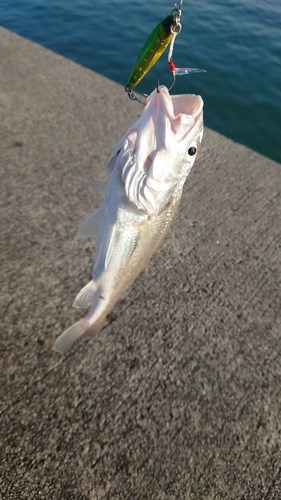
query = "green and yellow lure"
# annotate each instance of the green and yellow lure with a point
(164, 33)
(153, 48)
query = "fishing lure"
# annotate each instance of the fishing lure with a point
(153, 48)
(163, 34)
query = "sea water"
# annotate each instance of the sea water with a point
(238, 42)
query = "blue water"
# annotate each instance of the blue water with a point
(237, 42)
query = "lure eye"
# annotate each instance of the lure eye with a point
(192, 151)
(167, 23)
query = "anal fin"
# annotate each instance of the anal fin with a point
(86, 296)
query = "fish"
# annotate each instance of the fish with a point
(152, 50)
(148, 169)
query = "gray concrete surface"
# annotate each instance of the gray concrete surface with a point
(179, 396)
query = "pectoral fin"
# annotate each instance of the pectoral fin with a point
(111, 246)
(90, 227)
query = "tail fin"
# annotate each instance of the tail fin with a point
(69, 336)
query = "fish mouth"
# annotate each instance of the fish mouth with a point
(187, 104)
(183, 111)
(188, 113)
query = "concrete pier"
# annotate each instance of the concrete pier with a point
(179, 397)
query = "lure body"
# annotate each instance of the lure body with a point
(153, 48)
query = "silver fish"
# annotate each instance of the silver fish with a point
(148, 169)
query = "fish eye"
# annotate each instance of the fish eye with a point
(192, 151)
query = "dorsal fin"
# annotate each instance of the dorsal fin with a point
(98, 186)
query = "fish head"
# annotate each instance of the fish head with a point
(157, 153)
(160, 149)
(176, 131)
